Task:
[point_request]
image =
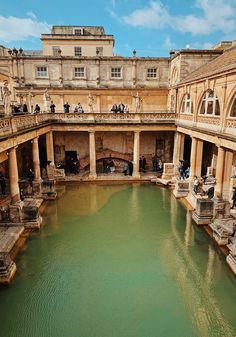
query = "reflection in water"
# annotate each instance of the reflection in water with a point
(119, 260)
(195, 291)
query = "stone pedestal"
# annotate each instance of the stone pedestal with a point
(168, 171)
(223, 229)
(36, 187)
(204, 211)
(7, 268)
(181, 188)
(26, 213)
(15, 211)
(48, 189)
(59, 174)
(221, 208)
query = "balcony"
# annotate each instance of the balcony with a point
(20, 124)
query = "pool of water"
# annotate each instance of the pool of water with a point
(119, 261)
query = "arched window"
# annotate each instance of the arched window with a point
(187, 104)
(210, 104)
(232, 112)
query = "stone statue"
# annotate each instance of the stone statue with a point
(46, 100)
(30, 100)
(90, 102)
(6, 93)
(138, 102)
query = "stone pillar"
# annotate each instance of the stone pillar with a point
(92, 155)
(36, 161)
(178, 149)
(198, 163)
(136, 155)
(193, 158)
(49, 146)
(98, 103)
(219, 172)
(13, 176)
(228, 165)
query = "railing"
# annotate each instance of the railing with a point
(17, 124)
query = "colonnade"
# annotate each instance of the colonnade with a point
(223, 165)
(13, 166)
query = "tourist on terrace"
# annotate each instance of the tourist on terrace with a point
(114, 108)
(66, 108)
(126, 109)
(186, 172)
(37, 109)
(181, 169)
(121, 108)
(160, 166)
(78, 109)
(143, 165)
(154, 162)
(25, 108)
(52, 107)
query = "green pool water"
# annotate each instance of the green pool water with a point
(119, 261)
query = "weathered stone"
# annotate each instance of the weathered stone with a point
(204, 211)
(168, 171)
(48, 189)
(223, 229)
(181, 188)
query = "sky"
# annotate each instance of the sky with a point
(151, 27)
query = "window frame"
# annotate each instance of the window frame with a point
(149, 72)
(37, 72)
(185, 101)
(209, 97)
(233, 101)
(78, 47)
(81, 30)
(116, 77)
(79, 77)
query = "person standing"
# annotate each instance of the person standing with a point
(195, 184)
(144, 163)
(37, 109)
(52, 107)
(25, 108)
(66, 108)
(3, 183)
(234, 198)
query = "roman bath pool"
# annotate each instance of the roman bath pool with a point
(119, 261)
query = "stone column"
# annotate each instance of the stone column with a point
(13, 176)
(198, 163)
(193, 158)
(219, 172)
(136, 155)
(49, 146)
(178, 149)
(98, 103)
(36, 161)
(227, 186)
(92, 155)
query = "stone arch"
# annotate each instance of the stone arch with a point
(182, 101)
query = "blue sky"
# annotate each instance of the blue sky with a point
(152, 27)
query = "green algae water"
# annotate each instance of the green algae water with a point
(119, 261)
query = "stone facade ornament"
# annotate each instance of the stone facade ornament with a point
(46, 100)
(138, 102)
(90, 102)
(6, 93)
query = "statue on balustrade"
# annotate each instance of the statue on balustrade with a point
(6, 93)
(90, 102)
(46, 100)
(138, 102)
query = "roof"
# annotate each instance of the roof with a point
(222, 63)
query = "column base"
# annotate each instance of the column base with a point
(36, 187)
(136, 176)
(48, 189)
(181, 189)
(223, 230)
(92, 176)
(7, 269)
(204, 212)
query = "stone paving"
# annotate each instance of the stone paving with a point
(8, 237)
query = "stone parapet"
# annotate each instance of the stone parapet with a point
(181, 188)
(204, 211)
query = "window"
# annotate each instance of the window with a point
(187, 105)
(80, 72)
(151, 73)
(210, 104)
(233, 108)
(99, 51)
(55, 51)
(78, 51)
(116, 72)
(42, 72)
(78, 31)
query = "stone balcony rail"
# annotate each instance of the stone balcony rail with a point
(201, 122)
(18, 124)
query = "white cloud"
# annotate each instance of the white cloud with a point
(169, 44)
(18, 29)
(216, 15)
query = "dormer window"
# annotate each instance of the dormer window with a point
(78, 31)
